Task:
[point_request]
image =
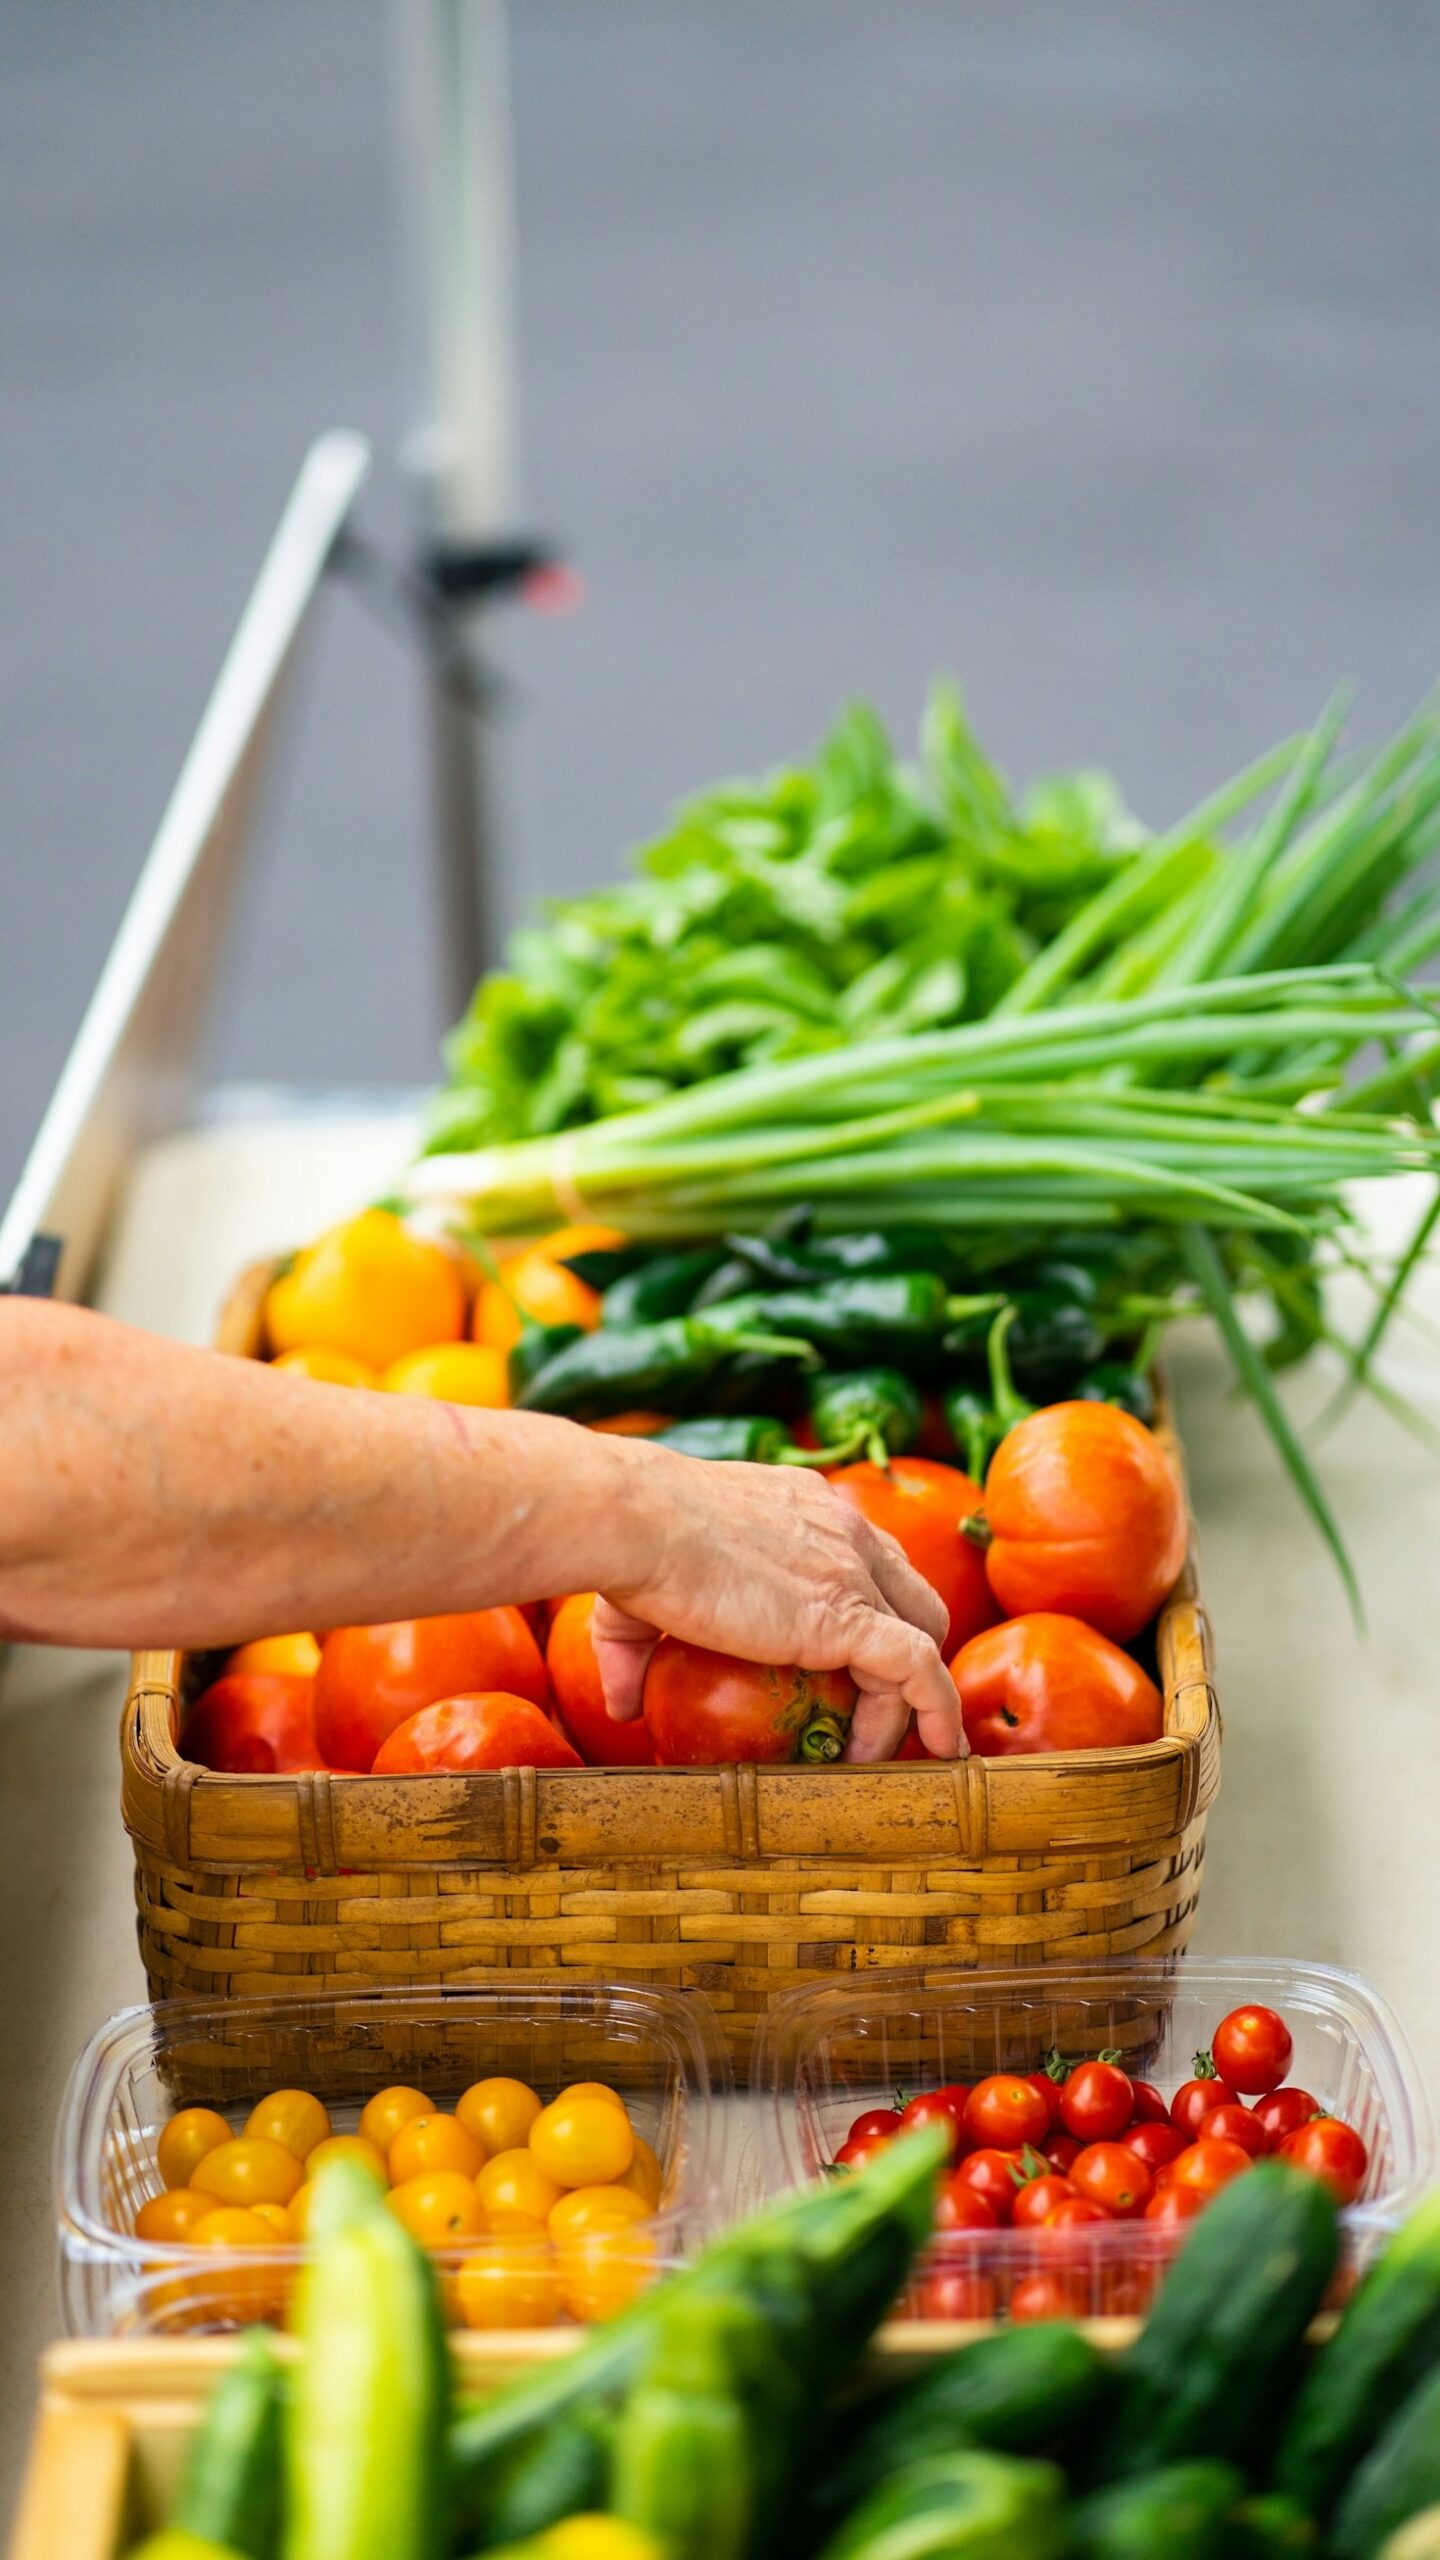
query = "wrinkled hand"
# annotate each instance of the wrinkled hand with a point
(771, 1565)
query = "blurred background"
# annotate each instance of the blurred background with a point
(1085, 348)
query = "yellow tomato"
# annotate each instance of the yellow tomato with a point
(583, 2142)
(237, 2292)
(348, 2146)
(510, 2284)
(597, 2537)
(591, 2089)
(601, 2272)
(434, 2142)
(368, 1287)
(277, 2220)
(327, 1367)
(299, 2209)
(383, 2115)
(455, 1372)
(596, 2209)
(644, 2177)
(184, 2142)
(536, 1286)
(499, 2113)
(252, 2170)
(297, 1656)
(293, 2117)
(438, 2205)
(515, 2193)
(173, 2215)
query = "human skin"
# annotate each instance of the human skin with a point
(155, 1495)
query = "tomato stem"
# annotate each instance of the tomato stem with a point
(1205, 2067)
(823, 1738)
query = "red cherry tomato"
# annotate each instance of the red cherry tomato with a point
(1061, 2150)
(1086, 1517)
(858, 2149)
(708, 1710)
(1170, 2205)
(372, 1679)
(1047, 1683)
(1150, 2107)
(1037, 2200)
(942, 2107)
(922, 1505)
(880, 2121)
(1329, 2150)
(1072, 2211)
(1047, 2091)
(488, 1731)
(1003, 2112)
(1096, 2102)
(1208, 2165)
(953, 2293)
(1048, 2298)
(575, 1679)
(1252, 2049)
(996, 2175)
(1284, 2111)
(1111, 2176)
(961, 2207)
(1156, 2144)
(1195, 2098)
(1126, 2292)
(1234, 2124)
(253, 1723)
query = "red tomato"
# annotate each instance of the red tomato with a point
(1060, 2150)
(1108, 2174)
(575, 1678)
(253, 1722)
(1150, 2107)
(961, 2207)
(1170, 2205)
(1096, 2102)
(996, 2175)
(1003, 2112)
(1126, 2292)
(922, 1505)
(1038, 2199)
(1072, 2211)
(1156, 2144)
(858, 2148)
(1046, 1683)
(1208, 2165)
(1086, 1517)
(372, 1678)
(1284, 2111)
(1048, 2298)
(487, 1731)
(912, 1748)
(1234, 2124)
(1331, 2151)
(706, 1710)
(1252, 2049)
(1195, 2098)
(942, 2107)
(882, 2121)
(1047, 2091)
(954, 2294)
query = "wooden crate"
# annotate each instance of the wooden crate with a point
(738, 1881)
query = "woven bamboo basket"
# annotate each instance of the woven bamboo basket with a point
(739, 1882)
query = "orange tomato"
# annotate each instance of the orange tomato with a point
(922, 1504)
(328, 1368)
(705, 1709)
(298, 1657)
(251, 2170)
(299, 2209)
(277, 2219)
(185, 2140)
(510, 2284)
(644, 2177)
(237, 2292)
(383, 2115)
(575, 1678)
(538, 1286)
(454, 1372)
(348, 2146)
(253, 1723)
(291, 2116)
(488, 1730)
(1086, 1518)
(592, 2089)
(1047, 1683)
(515, 2193)
(596, 2209)
(499, 2113)
(434, 2142)
(634, 1426)
(368, 1287)
(582, 2141)
(601, 2272)
(437, 2206)
(172, 2216)
(372, 1679)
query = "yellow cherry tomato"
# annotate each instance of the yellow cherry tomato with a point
(455, 1372)
(644, 2177)
(237, 2292)
(602, 2271)
(434, 2142)
(297, 1656)
(499, 2113)
(368, 1287)
(348, 2146)
(293, 2117)
(437, 2206)
(299, 2209)
(382, 2116)
(329, 1368)
(583, 2142)
(597, 2537)
(185, 2140)
(515, 2193)
(596, 2209)
(278, 2219)
(510, 2284)
(537, 1286)
(591, 2089)
(172, 2216)
(252, 2170)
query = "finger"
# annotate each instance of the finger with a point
(877, 1727)
(944, 1734)
(887, 1654)
(623, 1646)
(909, 1594)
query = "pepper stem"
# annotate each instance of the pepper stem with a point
(823, 1738)
(784, 1346)
(1010, 1406)
(839, 1453)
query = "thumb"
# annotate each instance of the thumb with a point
(623, 1646)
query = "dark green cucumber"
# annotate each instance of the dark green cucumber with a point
(959, 2506)
(1180, 2513)
(1388, 2337)
(1026, 2390)
(560, 2470)
(1270, 2526)
(1218, 2354)
(682, 2469)
(1398, 2479)
(230, 2488)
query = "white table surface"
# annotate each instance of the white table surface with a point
(1323, 1843)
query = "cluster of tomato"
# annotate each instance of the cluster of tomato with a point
(539, 2210)
(1061, 2151)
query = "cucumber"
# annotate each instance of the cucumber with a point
(959, 2506)
(1399, 2477)
(1388, 2337)
(1026, 2390)
(1271, 2527)
(561, 2470)
(230, 2488)
(1178, 2514)
(1218, 2353)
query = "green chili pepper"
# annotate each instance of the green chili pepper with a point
(600, 1265)
(656, 1365)
(1113, 1383)
(799, 1263)
(664, 1286)
(537, 1346)
(754, 1436)
(731, 1278)
(970, 1420)
(900, 1315)
(876, 1410)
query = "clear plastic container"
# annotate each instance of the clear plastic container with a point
(660, 2049)
(826, 2054)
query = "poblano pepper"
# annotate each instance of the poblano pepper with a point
(875, 1410)
(651, 1365)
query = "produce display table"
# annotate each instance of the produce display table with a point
(1322, 1845)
